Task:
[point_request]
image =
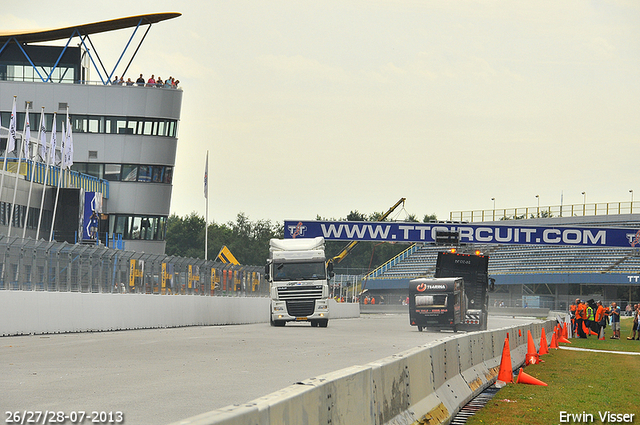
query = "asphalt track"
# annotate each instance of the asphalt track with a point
(163, 375)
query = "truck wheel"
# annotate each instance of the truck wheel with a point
(419, 328)
(323, 323)
(314, 324)
(279, 323)
(455, 328)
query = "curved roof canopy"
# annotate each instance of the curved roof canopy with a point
(40, 36)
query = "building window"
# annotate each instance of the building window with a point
(144, 173)
(129, 173)
(136, 227)
(97, 124)
(126, 172)
(112, 172)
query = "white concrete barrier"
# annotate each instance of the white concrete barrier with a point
(37, 312)
(428, 384)
(343, 310)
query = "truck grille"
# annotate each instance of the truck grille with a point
(299, 293)
(301, 308)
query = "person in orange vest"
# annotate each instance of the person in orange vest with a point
(572, 313)
(373, 300)
(366, 300)
(599, 320)
(581, 316)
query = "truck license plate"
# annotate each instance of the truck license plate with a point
(301, 318)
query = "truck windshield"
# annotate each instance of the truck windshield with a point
(299, 271)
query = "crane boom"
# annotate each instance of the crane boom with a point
(347, 249)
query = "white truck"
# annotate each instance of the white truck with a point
(298, 276)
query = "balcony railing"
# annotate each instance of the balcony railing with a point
(576, 210)
(70, 179)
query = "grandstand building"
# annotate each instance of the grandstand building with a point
(532, 275)
(124, 136)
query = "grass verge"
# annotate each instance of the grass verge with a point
(578, 383)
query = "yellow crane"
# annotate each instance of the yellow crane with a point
(352, 244)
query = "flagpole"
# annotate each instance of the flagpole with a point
(4, 166)
(50, 154)
(55, 204)
(33, 172)
(206, 200)
(15, 186)
(11, 143)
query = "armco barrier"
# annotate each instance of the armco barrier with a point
(426, 385)
(41, 312)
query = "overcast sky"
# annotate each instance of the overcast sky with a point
(320, 108)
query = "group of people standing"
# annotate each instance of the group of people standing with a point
(169, 83)
(591, 318)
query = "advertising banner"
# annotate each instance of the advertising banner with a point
(91, 214)
(483, 233)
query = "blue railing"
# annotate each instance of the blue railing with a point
(70, 179)
(392, 262)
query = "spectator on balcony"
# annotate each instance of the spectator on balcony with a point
(159, 82)
(140, 81)
(129, 82)
(151, 82)
(117, 81)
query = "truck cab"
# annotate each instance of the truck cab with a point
(474, 269)
(298, 277)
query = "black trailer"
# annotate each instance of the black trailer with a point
(436, 303)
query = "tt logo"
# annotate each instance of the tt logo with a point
(634, 238)
(633, 279)
(297, 230)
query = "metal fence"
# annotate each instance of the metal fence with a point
(27, 264)
(576, 210)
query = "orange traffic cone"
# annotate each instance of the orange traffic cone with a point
(543, 343)
(601, 338)
(532, 356)
(519, 332)
(506, 368)
(554, 342)
(524, 378)
(564, 340)
(565, 331)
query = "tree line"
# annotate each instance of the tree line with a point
(248, 240)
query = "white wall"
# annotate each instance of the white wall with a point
(27, 312)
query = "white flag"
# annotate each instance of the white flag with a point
(68, 145)
(52, 147)
(206, 177)
(11, 143)
(63, 145)
(42, 138)
(26, 136)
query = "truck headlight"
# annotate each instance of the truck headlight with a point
(323, 307)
